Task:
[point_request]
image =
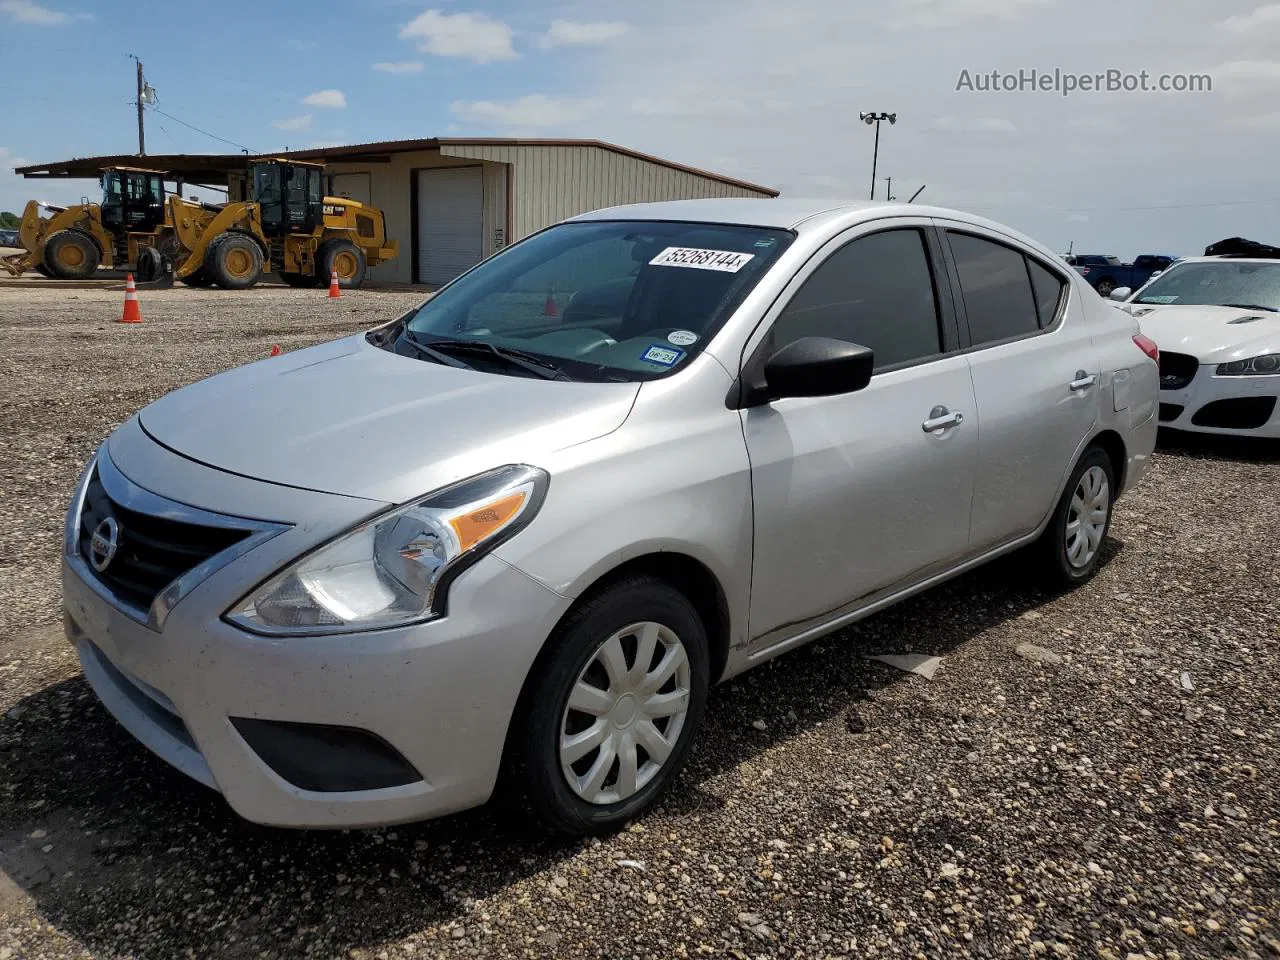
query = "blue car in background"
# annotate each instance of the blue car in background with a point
(1105, 273)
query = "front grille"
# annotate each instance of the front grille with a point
(1240, 413)
(1177, 370)
(151, 551)
(1171, 411)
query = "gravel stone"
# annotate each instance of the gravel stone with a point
(996, 786)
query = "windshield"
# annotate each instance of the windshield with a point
(1219, 283)
(600, 300)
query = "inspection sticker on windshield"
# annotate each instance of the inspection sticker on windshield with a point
(664, 356)
(682, 338)
(724, 260)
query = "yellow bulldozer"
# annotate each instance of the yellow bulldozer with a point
(288, 226)
(127, 229)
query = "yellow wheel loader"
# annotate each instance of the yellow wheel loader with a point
(287, 227)
(127, 229)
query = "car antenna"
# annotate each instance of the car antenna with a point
(918, 192)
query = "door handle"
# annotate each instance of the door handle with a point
(940, 418)
(1083, 380)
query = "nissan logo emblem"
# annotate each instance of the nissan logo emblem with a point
(103, 544)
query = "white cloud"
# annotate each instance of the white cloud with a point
(974, 125)
(331, 99)
(1078, 218)
(1263, 72)
(535, 110)
(404, 66)
(1266, 120)
(473, 36)
(294, 123)
(25, 11)
(1246, 23)
(570, 33)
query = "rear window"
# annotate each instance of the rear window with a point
(631, 300)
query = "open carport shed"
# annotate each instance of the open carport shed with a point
(452, 202)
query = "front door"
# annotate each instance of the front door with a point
(858, 493)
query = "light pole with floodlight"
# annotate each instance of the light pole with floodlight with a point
(875, 118)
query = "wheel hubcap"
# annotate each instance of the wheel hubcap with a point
(71, 256)
(345, 264)
(238, 262)
(1087, 517)
(625, 713)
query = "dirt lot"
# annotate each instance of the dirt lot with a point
(1117, 796)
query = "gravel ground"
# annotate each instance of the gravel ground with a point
(1090, 775)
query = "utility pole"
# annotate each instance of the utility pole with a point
(888, 190)
(870, 118)
(142, 142)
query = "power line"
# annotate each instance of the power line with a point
(213, 136)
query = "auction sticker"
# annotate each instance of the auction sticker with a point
(663, 356)
(682, 338)
(726, 261)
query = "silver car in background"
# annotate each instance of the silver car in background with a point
(514, 536)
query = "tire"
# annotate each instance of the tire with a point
(573, 659)
(200, 279)
(1056, 545)
(150, 264)
(347, 258)
(234, 261)
(1105, 286)
(44, 272)
(299, 279)
(71, 255)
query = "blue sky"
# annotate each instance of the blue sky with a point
(765, 91)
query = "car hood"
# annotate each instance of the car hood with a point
(349, 418)
(1211, 334)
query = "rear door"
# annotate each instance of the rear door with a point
(857, 493)
(1036, 377)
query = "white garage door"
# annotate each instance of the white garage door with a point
(450, 231)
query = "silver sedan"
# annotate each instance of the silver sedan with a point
(506, 542)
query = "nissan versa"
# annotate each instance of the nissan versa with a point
(505, 543)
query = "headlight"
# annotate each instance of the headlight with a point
(395, 569)
(1266, 365)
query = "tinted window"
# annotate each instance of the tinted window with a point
(1047, 287)
(997, 292)
(876, 291)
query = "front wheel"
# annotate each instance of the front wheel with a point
(234, 261)
(1071, 546)
(71, 255)
(608, 717)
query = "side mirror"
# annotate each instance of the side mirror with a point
(1121, 293)
(817, 367)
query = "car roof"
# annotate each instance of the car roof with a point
(1228, 259)
(787, 214)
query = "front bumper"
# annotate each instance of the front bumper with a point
(1238, 406)
(438, 695)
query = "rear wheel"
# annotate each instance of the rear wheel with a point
(1071, 547)
(234, 261)
(71, 255)
(346, 259)
(608, 715)
(1105, 286)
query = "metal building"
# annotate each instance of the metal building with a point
(452, 202)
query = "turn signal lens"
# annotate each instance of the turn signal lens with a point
(1148, 346)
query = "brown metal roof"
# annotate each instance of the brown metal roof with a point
(370, 151)
(212, 168)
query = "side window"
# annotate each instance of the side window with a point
(877, 291)
(1048, 288)
(996, 289)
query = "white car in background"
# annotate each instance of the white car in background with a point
(1217, 323)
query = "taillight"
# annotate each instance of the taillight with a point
(1147, 346)
(1084, 271)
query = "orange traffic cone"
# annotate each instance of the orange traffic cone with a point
(132, 312)
(275, 350)
(549, 308)
(334, 290)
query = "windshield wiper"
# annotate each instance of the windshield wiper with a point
(516, 358)
(435, 355)
(1251, 306)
